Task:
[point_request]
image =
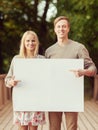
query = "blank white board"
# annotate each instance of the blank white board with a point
(48, 85)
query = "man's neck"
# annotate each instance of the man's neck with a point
(62, 41)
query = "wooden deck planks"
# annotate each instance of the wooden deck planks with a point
(89, 117)
(87, 120)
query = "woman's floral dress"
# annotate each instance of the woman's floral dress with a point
(29, 118)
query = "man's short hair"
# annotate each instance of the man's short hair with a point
(61, 18)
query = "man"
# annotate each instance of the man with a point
(66, 48)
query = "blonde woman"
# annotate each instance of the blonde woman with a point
(28, 49)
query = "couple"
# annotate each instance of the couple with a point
(63, 48)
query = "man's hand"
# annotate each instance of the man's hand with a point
(82, 72)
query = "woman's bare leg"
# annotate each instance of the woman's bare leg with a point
(33, 127)
(23, 128)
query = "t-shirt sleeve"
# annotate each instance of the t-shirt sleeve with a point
(88, 63)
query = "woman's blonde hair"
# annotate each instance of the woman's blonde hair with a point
(22, 51)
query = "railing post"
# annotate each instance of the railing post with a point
(5, 93)
(95, 95)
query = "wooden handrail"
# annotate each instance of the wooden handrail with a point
(5, 93)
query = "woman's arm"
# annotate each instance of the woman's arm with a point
(10, 79)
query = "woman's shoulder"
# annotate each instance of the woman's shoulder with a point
(40, 56)
(17, 56)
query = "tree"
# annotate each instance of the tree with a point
(84, 22)
(1, 28)
(22, 15)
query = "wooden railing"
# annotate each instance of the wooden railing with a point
(5, 93)
(95, 95)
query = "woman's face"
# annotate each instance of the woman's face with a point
(30, 42)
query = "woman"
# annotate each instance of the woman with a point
(28, 49)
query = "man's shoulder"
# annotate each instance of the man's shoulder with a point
(52, 46)
(75, 43)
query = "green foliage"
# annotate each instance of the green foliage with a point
(20, 15)
(84, 22)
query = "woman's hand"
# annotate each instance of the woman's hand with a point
(13, 82)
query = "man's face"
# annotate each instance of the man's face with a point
(62, 28)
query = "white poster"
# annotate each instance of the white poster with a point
(48, 85)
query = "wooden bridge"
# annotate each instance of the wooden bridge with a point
(88, 120)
